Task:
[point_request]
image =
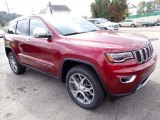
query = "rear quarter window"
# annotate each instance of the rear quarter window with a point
(12, 28)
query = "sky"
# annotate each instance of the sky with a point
(27, 7)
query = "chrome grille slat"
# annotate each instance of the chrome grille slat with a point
(144, 54)
(145, 49)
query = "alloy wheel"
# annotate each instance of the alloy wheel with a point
(13, 63)
(81, 88)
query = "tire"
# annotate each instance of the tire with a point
(133, 25)
(106, 28)
(16, 67)
(88, 94)
(155, 24)
(144, 25)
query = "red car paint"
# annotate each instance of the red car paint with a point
(49, 55)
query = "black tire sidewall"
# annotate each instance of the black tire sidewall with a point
(20, 69)
(98, 93)
(132, 25)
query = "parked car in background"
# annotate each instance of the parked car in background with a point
(147, 24)
(1, 33)
(91, 62)
(129, 23)
(104, 24)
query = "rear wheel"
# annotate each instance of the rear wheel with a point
(83, 87)
(155, 24)
(133, 25)
(16, 67)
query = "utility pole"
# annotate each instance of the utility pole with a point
(7, 6)
(50, 7)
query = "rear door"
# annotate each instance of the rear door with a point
(21, 36)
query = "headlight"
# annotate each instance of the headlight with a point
(119, 57)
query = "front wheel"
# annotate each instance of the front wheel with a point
(16, 67)
(83, 87)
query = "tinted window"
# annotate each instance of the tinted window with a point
(96, 22)
(92, 21)
(12, 28)
(23, 27)
(36, 23)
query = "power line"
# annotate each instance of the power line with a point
(7, 6)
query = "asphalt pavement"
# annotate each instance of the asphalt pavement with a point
(36, 96)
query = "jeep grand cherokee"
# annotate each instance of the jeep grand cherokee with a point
(92, 63)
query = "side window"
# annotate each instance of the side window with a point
(23, 27)
(91, 21)
(96, 22)
(37, 23)
(12, 28)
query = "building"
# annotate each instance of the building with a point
(55, 9)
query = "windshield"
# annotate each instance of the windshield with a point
(70, 25)
(102, 20)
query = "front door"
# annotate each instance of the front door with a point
(38, 51)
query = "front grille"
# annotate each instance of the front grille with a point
(144, 54)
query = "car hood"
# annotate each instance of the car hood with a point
(115, 41)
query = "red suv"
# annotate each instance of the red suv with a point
(92, 63)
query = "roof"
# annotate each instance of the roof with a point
(58, 8)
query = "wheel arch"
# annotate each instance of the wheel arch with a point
(70, 62)
(8, 50)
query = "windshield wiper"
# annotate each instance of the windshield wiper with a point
(92, 30)
(74, 33)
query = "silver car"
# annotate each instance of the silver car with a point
(129, 23)
(104, 24)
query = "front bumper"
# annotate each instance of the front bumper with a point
(142, 72)
(140, 85)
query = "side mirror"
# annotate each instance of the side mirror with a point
(41, 33)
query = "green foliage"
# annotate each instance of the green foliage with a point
(118, 10)
(5, 17)
(157, 2)
(115, 10)
(99, 8)
(150, 6)
(141, 7)
(147, 7)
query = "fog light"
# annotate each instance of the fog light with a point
(128, 79)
